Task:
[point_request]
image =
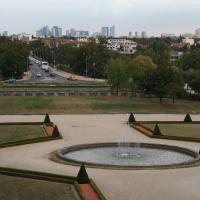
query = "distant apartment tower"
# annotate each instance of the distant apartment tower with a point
(76, 34)
(105, 31)
(72, 32)
(67, 33)
(83, 34)
(112, 31)
(43, 32)
(136, 34)
(143, 34)
(187, 35)
(164, 35)
(197, 33)
(5, 34)
(56, 31)
(46, 31)
(130, 34)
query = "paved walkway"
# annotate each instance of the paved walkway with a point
(171, 184)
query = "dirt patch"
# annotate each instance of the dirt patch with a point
(88, 192)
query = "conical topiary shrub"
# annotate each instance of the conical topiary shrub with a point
(131, 119)
(82, 176)
(188, 118)
(157, 130)
(47, 119)
(55, 132)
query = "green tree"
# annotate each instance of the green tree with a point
(139, 69)
(194, 83)
(176, 86)
(191, 58)
(13, 58)
(165, 81)
(116, 73)
(158, 50)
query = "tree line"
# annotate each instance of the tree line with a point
(13, 58)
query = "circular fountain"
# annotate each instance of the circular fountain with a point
(125, 155)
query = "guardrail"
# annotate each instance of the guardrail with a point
(67, 93)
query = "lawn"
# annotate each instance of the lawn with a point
(13, 133)
(22, 189)
(92, 105)
(180, 130)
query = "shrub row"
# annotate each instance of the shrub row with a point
(29, 141)
(51, 177)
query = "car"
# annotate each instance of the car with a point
(52, 74)
(38, 74)
(71, 78)
(11, 80)
(46, 70)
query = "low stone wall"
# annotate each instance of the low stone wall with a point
(66, 93)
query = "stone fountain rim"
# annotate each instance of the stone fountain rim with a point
(195, 162)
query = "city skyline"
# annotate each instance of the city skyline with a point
(178, 16)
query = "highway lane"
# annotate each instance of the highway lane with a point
(46, 77)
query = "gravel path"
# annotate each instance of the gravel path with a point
(171, 184)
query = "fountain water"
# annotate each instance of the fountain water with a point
(124, 150)
(129, 155)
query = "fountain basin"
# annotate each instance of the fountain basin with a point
(131, 156)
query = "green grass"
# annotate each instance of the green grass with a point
(14, 133)
(22, 189)
(92, 105)
(180, 130)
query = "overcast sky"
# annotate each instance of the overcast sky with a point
(153, 16)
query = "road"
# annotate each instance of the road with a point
(46, 78)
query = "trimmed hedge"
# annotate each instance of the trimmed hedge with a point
(82, 176)
(47, 119)
(131, 119)
(188, 118)
(157, 130)
(56, 132)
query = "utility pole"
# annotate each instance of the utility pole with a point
(94, 70)
(86, 70)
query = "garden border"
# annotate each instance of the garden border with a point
(29, 141)
(53, 178)
(138, 124)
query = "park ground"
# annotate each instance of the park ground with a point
(173, 184)
(93, 105)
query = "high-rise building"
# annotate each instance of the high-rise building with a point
(46, 31)
(130, 34)
(170, 35)
(56, 31)
(5, 34)
(136, 34)
(112, 31)
(197, 33)
(143, 34)
(67, 33)
(105, 31)
(72, 32)
(59, 32)
(43, 32)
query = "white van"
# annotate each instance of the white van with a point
(44, 65)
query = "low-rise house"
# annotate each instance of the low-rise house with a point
(123, 46)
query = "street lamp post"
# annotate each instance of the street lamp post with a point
(94, 70)
(86, 69)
